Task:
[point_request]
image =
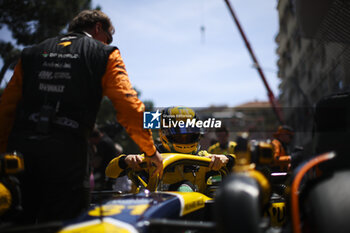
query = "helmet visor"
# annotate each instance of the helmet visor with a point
(182, 135)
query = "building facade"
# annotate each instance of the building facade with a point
(256, 120)
(314, 58)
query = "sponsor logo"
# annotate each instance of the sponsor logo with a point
(66, 43)
(64, 121)
(48, 75)
(57, 65)
(191, 123)
(51, 88)
(61, 55)
(196, 204)
(64, 55)
(151, 120)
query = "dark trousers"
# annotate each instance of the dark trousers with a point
(55, 183)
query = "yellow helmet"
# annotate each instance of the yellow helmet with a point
(176, 134)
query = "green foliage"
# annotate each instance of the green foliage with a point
(129, 146)
(106, 113)
(32, 21)
(149, 105)
(106, 120)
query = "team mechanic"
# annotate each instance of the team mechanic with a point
(223, 146)
(49, 108)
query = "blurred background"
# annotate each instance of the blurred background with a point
(189, 52)
(178, 52)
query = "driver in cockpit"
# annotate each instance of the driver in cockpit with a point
(177, 139)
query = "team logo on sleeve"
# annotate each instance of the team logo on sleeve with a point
(151, 120)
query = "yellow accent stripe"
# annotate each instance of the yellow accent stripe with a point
(108, 225)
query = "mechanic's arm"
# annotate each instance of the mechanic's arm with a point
(286, 159)
(117, 165)
(279, 157)
(8, 103)
(117, 87)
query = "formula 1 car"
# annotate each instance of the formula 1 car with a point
(151, 208)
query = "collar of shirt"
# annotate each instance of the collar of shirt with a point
(87, 34)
